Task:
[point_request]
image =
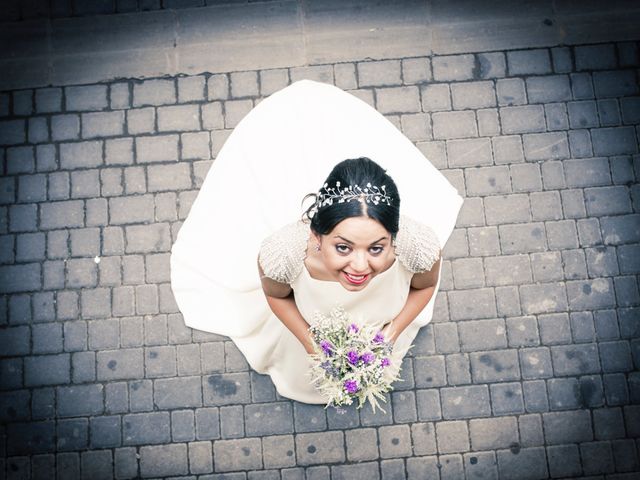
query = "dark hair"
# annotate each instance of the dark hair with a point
(356, 171)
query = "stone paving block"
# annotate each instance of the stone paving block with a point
(528, 62)
(81, 154)
(564, 460)
(508, 270)
(20, 160)
(465, 402)
(103, 124)
(183, 426)
(495, 366)
(493, 433)
(80, 400)
(164, 460)
(191, 89)
(318, 73)
(379, 73)
(178, 118)
(522, 119)
(414, 70)
(30, 247)
(531, 434)
(507, 149)
(146, 428)
(195, 146)
(160, 361)
(453, 67)
(468, 272)
(545, 146)
(607, 200)
(428, 403)
(308, 418)
(575, 359)
(488, 180)
(48, 100)
(86, 97)
(181, 392)
(148, 238)
(589, 232)
(600, 451)
(47, 370)
(507, 398)
(272, 418)
(609, 112)
(614, 83)
(120, 364)
(523, 463)
(482, 335)
(97, 464)
(614, 141)
(141, 120)
(562, 235)
(535, 396)
(628, 259)
(235, 110)
(320, 448)
(140, 396)
(362, 444)
(547, 89)
(65, 127)
(273, 80)
(468, 152)
(525, 177)
(395, 441)
(230, 388)
(46, 338)
(435, 97)
(601, 261)
(587, 294)
(513, 208)
(554, 329)
(473, 95)
(72, 434)
(453, 437)
(429, 371)
(556, 114)
(119, 95)
(135, 180)
(451, 125)
(154, 92)
(471, 214)
(524, 238)
(615, 356)
(422, 467)
(12, 132)
(218, 87)
(472, 304)
(398, 100)
(416, 126)
(582, 327)
(159, 148)
(564, 393)
(105, 431)
(200, 457)
(168, 177)
(85, 184)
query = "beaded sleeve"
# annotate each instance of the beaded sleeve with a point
(417, 245)
(282, 253)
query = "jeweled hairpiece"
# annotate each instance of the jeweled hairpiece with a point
(370, 194)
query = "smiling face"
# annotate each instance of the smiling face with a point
(355, 251)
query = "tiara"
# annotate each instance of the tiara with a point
(369, 193)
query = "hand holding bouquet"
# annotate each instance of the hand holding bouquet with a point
(351, 362)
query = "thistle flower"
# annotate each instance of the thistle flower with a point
(385, 362)
(353, 357)
(327, 348)
(367, 357)
(351, 386)
(379, 338)
(353, 328)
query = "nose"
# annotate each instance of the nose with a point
(359, 262)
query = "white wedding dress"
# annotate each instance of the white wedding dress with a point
(282, 150)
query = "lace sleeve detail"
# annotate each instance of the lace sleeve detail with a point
(417, 245)
(282, 253)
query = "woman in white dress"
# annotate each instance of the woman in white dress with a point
(380, 265)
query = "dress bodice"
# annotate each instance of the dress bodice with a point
(378, 303)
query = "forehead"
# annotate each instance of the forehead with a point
(359, 229)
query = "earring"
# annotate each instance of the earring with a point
(317, 247)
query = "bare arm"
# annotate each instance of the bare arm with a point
(282, 303)
(423, 286)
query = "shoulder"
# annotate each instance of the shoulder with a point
(282, 253)
(417, 245)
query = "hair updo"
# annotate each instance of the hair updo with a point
(351, 172)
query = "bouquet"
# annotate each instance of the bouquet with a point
(351, 362)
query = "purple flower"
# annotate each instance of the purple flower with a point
(327, 348)
(379, 338)
(353, 357)
(353, 328)
(385, 362)
(367, 357)
(351, 386)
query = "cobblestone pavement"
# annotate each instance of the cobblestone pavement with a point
(528, 370)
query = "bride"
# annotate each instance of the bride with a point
(355, 247)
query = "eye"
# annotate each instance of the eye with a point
(377, 250)
(342, 248)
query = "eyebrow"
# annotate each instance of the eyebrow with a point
(351, 243)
